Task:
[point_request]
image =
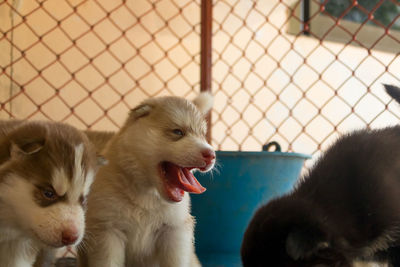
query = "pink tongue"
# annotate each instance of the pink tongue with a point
(183, 179)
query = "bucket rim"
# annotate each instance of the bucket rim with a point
(262, 154)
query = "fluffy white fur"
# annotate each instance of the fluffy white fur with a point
(204, 102)
(130, 220)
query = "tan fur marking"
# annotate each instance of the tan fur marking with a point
(78, 179)
(60, 182)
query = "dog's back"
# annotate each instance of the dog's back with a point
(346, 208)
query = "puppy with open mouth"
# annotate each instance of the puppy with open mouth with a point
(46, 170)
(139, 207)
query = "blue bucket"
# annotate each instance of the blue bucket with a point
(245, 180)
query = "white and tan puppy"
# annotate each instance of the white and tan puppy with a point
(139, 208)
(46, 170)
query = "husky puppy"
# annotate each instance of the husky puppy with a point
(46, 170)
(346, 208)
(139, 208)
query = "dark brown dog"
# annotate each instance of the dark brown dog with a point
(345, 209)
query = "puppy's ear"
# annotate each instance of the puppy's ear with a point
(140, 111)
(27, 140)
(304, 242)
(393, 91)
(204, 102)
(27, 148)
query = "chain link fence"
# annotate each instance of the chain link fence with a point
(279, 75)
(88, 62)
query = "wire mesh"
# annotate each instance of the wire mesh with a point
(301, 81)
(88, 62)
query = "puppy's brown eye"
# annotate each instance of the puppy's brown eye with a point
(49, 194)
(178, 132)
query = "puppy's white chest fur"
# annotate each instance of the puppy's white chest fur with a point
(145, 228)
(141, 223)
(17, 251)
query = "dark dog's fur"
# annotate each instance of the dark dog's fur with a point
(346, 208)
